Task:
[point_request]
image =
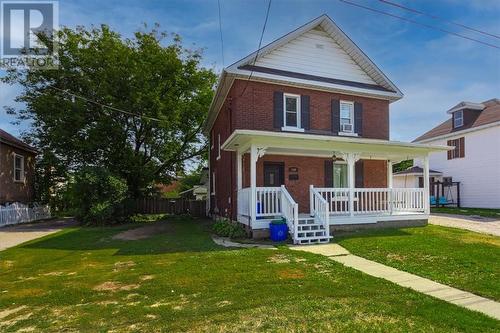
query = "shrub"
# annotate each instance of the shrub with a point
(226, 228)
(98, 196)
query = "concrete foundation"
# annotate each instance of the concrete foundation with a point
(379, 225)
(340, 228)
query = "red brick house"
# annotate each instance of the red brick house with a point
(17, 170)
(300, 130)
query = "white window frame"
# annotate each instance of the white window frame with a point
(213, 183)
(21, 180)
(285, 127)
(351, 118)
(218, 147)
(461, 113)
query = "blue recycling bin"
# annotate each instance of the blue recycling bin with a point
(278, 230)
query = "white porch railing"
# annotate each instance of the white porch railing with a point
(290, 211)
(320, 209)
(408, 199)
(374, 201)
(270, 202)
(336, 198)
(244, 201)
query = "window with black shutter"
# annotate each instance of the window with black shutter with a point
(459, 150)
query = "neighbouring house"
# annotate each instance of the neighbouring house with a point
(300, 130)
(473, 130)
(17, 170)
(197, 192)
(200, 191)
(413, 177)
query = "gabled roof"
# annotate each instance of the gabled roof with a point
(326, 24)
(11, 140)
(416, 170)
(361, 76)
(466, 105)
(490, 115)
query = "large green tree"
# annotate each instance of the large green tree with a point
(75, 110)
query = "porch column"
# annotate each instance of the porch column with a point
(426, 184)
(239, 173)
(389, 186)
(389, 174)
(351, 160)
(253, 183)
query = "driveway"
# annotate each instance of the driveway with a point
(13, 235)
(483, 225)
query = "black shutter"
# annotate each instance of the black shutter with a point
(462, 147)
(450, 152)
(304, 112)
(359, 174)
(335, 116)
(328, 173)
(358, 118)
(278, 109)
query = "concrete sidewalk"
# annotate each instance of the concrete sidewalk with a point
(16, 234)
(483, 225)
(443, 292)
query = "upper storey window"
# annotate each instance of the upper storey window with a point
(346, 116)
(291, 111)
(458, 118)
(18, 168)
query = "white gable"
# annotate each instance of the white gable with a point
(315, 53)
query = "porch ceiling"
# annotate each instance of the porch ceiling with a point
(290, 143)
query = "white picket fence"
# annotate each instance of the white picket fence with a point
(19, 213)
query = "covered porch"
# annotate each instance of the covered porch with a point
(302, 197)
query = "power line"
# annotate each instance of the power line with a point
(435, 17)
(258, 49)
(103, 105)
(220, 30)
(421, 24)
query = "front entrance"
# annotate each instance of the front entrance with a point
(274, 174)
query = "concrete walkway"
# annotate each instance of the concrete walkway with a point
(16, 234)
(443, 292)
(482, 225)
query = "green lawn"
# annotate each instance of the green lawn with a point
(485, 212)
(459, 258)
(81, 279)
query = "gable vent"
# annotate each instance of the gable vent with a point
(320, 46)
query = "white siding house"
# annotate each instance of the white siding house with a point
(476, 165)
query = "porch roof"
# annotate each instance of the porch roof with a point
(291, 143)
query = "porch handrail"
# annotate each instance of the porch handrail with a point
(290, 211)
(374, 200)
(320, 209)
(268, 201)
(244, 201)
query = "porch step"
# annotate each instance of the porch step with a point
(313, 240)
(306, 220)
(310, 232)
(310, 227)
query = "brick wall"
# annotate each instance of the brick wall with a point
(254, 109)
(311, 171)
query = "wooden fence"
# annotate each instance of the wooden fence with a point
(170, 206)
